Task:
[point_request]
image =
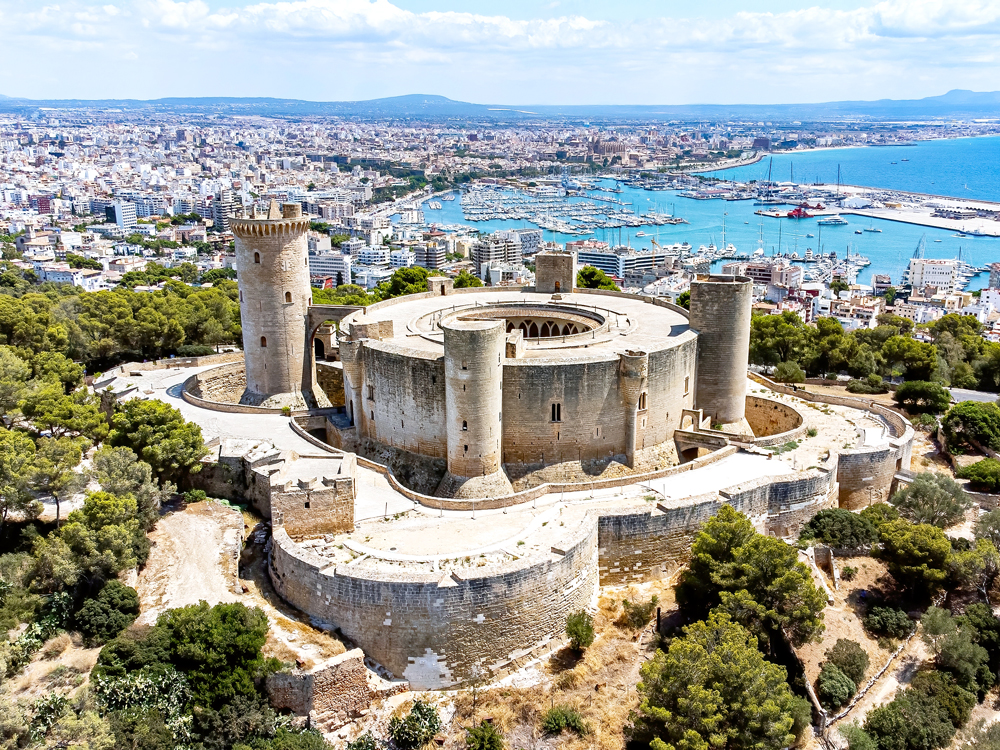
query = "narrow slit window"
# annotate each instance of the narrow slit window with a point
(557, 412)
(687, 384)
(263, 342)
(256, 257)
(465, 426)
(642, 401)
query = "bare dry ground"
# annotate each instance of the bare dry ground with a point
(193, 560)
(841, 618)
(601, 685)
(188, 561)
(61, 666)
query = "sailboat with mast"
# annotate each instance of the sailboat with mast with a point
(768, 199)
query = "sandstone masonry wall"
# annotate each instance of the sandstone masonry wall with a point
(865, 475)
(768, 417)
(330, 379)
(438, 632)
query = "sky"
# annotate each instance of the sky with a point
(512, 52)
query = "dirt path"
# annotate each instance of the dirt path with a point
(193, 558)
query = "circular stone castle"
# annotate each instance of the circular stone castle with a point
(518, 405)
(501, 385)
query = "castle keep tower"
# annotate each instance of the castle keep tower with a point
(473, 381)
(273, 274)
(720, 313)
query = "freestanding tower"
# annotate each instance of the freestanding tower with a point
(473, 381)
(273, 274)
(720, 313)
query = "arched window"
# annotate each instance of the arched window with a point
(533, 331)
(256, 257)
(642, 400)
(288, 297)
(465, 425)
(263, 341)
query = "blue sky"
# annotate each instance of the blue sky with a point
(514, 52)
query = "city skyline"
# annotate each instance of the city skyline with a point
(569, 52)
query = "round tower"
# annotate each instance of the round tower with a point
(473, 381)
(634, 374)
(720, 313)
(272, 266)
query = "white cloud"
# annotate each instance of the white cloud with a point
(348, 49)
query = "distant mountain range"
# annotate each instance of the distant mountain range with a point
(955, 104)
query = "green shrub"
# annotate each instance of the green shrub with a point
(932, 498)
(365, 742)
(580, 629)
(194, 350)
(849, 658)
(840, 528)
(857, 738)
(880, 513)
(417, 729)
(984, 475)
(812, 432)
(927, 421)
(104, 617)
(195, 496)
(922, 396)
(914, 720)
(958, 703)
(833, 687)
(971, 424)
(848, 573)
(636, 614)
(483, 737)
(889, 622)
(871, 384)
(789, 372)
(560, 718)
(47, 711)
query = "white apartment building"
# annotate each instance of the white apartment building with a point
(402, 258)
(123, 214)
(89, 280)
(353, 246)
(935, 272)
(319, 243)
(374, 256)
(370, 277)
(333, 264)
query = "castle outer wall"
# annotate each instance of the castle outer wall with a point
(445, 629)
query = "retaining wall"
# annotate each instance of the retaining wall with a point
(865, 474)
(438, 630)
(773, 422)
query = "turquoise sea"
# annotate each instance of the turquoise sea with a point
(943, 167)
